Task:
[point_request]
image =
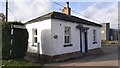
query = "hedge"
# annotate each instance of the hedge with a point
(16, 48)
(6, 37)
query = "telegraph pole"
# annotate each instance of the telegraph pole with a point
(6, 10)
(118, 33)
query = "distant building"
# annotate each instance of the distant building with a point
(2, 17)
(108, 34)
(113, 34)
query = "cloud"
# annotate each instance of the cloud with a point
(101, 11)
(28, 10)
(25, 0)
(107, 13)
(90, 10)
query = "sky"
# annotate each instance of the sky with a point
(102, 11)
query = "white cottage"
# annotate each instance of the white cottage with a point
(63, 35)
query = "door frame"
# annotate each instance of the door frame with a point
(81, 30)
(83, 41)
(86, 41)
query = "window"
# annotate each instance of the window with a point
(35, 39)
(67, 36)
(94, 36)
(34, 33)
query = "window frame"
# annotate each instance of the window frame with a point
(35, 30)
(67, 35)
(34, 35)
(35, 39)
(94, 36)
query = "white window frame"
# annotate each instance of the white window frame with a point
(67, 35)
(94, 35)
(34, 35)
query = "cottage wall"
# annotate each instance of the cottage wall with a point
(90, 37)
(44, 36)
(58, 44)
(50, 28)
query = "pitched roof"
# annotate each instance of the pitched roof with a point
(61, 16)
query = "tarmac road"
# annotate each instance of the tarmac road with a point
(108, 58)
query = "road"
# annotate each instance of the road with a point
(108, 58)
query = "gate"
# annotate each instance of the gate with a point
(19, 36)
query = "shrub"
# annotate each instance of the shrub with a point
(6, 37)
(18, 46)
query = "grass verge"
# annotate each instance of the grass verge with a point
(19, 63)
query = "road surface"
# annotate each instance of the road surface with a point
(108, 58)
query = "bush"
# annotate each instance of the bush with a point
(18, 46)
(6, 37)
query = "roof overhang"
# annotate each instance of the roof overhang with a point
(61, 16)
(80, 26)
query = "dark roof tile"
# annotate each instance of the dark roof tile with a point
(61, 16)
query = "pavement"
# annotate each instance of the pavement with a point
(108, 58)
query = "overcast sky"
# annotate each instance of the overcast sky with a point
(102, 11)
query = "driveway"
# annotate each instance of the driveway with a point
(108, 58)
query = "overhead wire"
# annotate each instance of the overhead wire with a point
(13, 14)
(72, 10)
(45, 6)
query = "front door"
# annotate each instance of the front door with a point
(83, 38)
(84, 42)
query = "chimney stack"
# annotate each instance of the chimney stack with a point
(67, 9)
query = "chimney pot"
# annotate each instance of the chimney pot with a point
(67, 4)
(66, 9)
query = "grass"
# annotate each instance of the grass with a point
(20, 62)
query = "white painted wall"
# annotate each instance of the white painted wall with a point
(90, 37)
(44, 36)
(50, 46)
(58, 44)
